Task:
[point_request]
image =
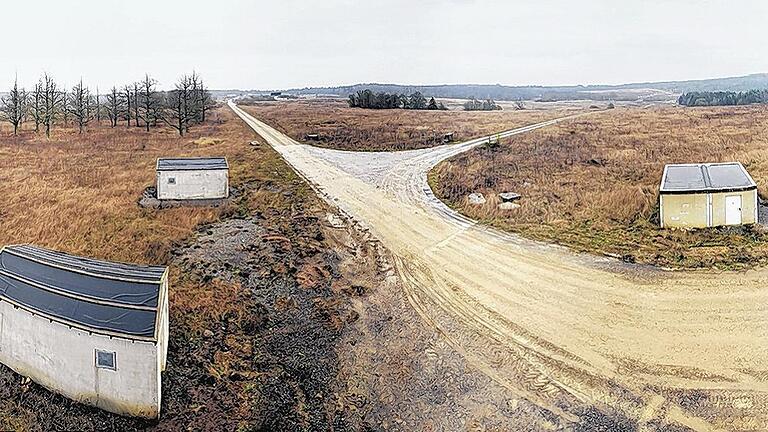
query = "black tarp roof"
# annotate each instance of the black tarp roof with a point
(100, 296)
(191, 164)
(701, 178)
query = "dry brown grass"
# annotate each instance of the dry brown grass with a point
(347, 128)
(592, 183)
(78, 193)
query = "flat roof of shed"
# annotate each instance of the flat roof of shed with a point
(706, 177)
(192, 164)
(99, 296)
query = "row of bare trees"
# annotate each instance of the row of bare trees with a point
(139, 104)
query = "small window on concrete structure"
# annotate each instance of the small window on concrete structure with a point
(171, 180)
(106, 360)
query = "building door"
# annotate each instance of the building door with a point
(733, 210)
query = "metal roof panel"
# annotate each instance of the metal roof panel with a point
(705, 177)
(101, 296)
(192, 164)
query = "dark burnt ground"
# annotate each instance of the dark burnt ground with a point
(274, 350)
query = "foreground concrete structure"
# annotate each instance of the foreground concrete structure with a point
(192, 178)
(94, 331)
(707, 195)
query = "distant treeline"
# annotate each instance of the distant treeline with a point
(625, 92)
(476, 105)
(722, 98)
(502, 93)
(415, 101)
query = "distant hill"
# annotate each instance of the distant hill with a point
(741, 83)
(650, 91)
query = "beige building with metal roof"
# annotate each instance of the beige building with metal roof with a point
(707, 195)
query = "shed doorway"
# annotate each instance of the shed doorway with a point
(733, 210)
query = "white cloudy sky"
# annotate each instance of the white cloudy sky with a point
(287, 43)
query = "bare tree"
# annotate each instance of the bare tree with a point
(128, 103)
(36, 107)
(136, 102)
(205, 101)
(89, 103)
(97, 102)
(14, 106)
(51, 103)
(194, 107)
(65, 106)
(79, 105)
(114, 106)
(178, 107)
(149, 101)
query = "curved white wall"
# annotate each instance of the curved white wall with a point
(63, 359)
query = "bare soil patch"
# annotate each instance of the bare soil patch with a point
(340, 127)
(592, 184)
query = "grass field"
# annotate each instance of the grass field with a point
(341, 127)
(592, 183)
(81, 190)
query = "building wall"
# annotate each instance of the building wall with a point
(63, 360)
(748, 206)
(162, 324)
(690, 210)
(204, 184)
(684, 211)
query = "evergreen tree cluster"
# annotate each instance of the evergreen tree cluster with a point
(722, 98)
(415, 101)
(476, 105)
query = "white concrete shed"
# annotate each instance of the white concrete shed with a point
(192, 178)
(707, 195)
(93, 331)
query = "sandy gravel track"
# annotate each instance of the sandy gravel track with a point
(569, 332)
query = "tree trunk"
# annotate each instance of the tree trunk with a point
(146, 120)
(128, 108)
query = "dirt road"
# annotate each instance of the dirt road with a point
(574, 334)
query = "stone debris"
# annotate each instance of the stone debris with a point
(509, 206)
(335, 221)
(509, 196)
(476, 198)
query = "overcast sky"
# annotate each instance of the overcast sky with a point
(295, 43)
